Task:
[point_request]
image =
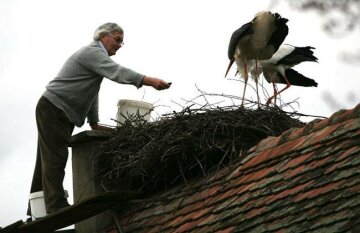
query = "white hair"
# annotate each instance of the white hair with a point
(106, 29)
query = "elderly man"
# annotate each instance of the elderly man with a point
(71, 97)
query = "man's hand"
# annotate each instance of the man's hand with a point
(95, 126)
(156, 83)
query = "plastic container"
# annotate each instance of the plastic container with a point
(130, 109)
(37, 205)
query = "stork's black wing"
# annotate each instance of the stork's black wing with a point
(297, 79)
(280, 33)
(236, 36)
(298, 55)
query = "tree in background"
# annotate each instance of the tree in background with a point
(341, 18)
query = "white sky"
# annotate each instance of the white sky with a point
(184, 42)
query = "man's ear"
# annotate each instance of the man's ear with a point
(102, 36)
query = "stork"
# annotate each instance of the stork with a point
(256, 40)
(277, 69)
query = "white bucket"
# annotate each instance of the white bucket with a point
(133, 108)
(37, 205)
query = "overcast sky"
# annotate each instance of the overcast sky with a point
(184, 42)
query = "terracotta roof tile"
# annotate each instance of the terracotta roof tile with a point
(306, 179)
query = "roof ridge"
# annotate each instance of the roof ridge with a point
(311, 127)
(258, 159)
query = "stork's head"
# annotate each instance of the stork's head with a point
(111, 35)
(261, 13)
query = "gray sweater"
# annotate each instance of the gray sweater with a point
(75, 89)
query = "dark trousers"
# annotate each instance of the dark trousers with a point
(54, 133)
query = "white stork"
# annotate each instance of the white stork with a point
(256, 40)
(277, 69)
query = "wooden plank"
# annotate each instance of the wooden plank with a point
(12, 227)
(75, 213)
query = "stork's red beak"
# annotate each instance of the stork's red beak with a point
(229, 66)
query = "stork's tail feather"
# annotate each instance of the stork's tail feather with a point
(297, 79)
(298, 55)
(307, 53)
(229, 66)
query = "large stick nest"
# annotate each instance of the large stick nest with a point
(184, 145)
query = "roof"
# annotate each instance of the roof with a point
(307, 179)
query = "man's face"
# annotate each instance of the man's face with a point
(112, 42)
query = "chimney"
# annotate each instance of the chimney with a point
(85, 147)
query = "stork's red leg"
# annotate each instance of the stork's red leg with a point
(256, 82)
(288, 84)
(275, 93)
(245, 79)
(272, 97)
